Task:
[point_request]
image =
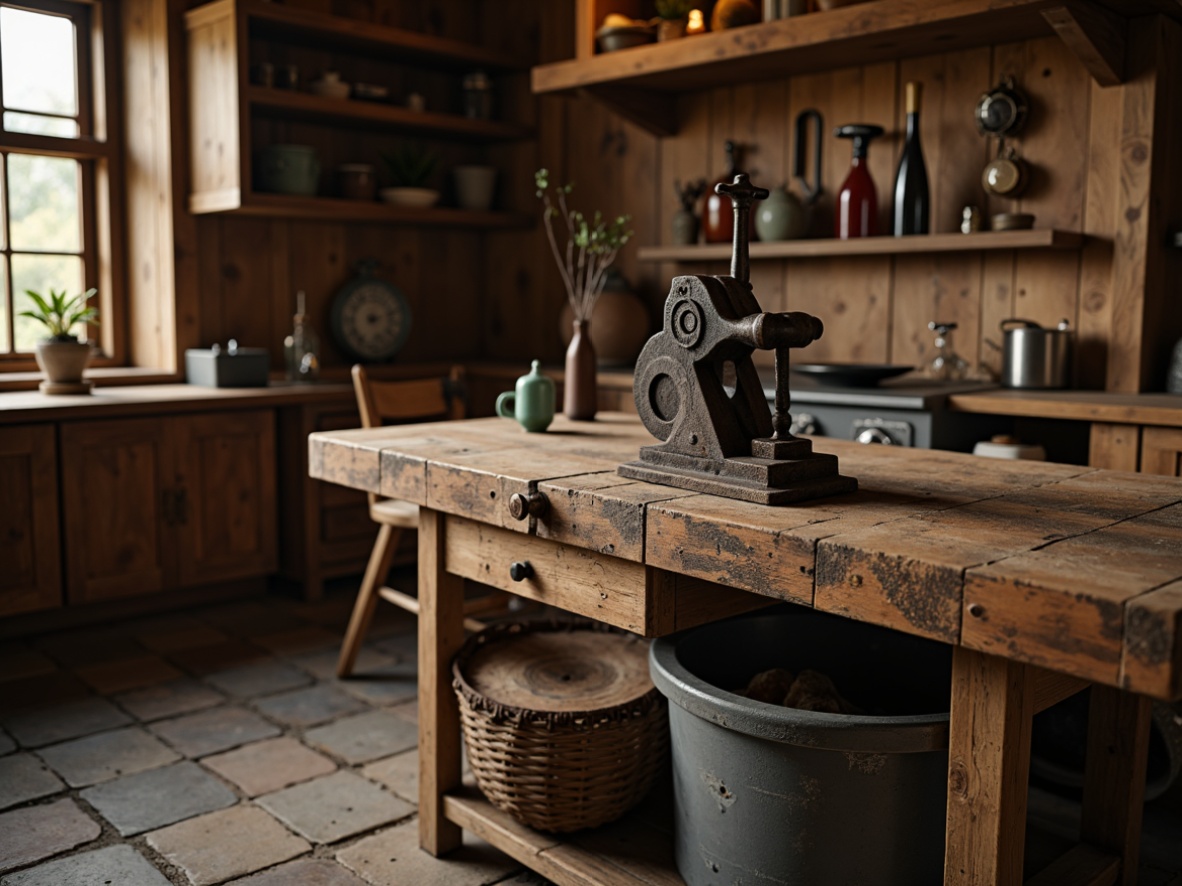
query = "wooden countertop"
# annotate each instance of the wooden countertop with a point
(18, 407)
(1100, 406)
(1069, 568)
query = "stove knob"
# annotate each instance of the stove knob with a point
(875, 435)
(803, 423)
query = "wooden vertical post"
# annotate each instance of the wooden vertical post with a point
(1114, 775)
(441, 631)
(988, 767)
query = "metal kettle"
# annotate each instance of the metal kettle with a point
(1034, 356)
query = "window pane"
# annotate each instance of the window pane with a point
(43, 203)
(41, 273)
(4, 344)
(37, 51)
(36, 124)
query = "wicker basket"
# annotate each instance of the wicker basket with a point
(556, 764)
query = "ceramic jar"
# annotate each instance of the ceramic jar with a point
(357, 181)
(685, 228)
(289, 169)
(781, 216)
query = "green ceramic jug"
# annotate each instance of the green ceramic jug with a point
(531, 404)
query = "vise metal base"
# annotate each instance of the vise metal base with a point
(767, 481)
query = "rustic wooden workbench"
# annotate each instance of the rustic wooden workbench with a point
(1045, 578)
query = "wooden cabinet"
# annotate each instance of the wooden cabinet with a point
(1161, 451)
(151, 504)
(232, 119)
(30, 544)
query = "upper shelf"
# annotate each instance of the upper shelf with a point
(275, 21)
(633, 80)
(920, 244)
(358, 114)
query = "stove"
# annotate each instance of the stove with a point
(898, 412)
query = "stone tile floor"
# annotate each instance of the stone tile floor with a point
(215, 745)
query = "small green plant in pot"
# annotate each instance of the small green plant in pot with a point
(409, 168)
(673, 18)
(62, 355)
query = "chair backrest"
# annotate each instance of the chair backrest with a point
(391, 401)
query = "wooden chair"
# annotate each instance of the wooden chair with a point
(391, 402)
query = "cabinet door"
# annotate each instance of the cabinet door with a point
(1161, 451)
(228, 511)
(117, 494)
(30, 546)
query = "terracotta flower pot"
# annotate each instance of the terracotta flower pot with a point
(63, 363)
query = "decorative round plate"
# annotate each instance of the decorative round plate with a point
(857, 375)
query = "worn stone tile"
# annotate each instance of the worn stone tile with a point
(208, 732)
(191, 636)
(323, 664)
(336, 806)
(169, 699)
(365, 737)
(387, 685)
(38, 832)
(307, 707)
(24, 777)
(147, 800)
(132, 673)
(393, 858)
(88, 646)
(303, 872)
(270, 765)
(96, 758)
(202, 660)
(41, 690)
(120, 865)
(225, 844)
(264, 677)
(307, 638)
(249, 617)
(7, 745)
(18, 661)
(399, 773)
(408, 710)
(34, 727)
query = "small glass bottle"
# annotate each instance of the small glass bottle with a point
(947, 365)
(301, 349)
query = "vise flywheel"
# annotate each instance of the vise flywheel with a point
(697, 389)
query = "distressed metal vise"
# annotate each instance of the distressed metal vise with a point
(697, 388)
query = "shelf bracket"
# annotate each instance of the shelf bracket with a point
(1095, 36)
(652, 111)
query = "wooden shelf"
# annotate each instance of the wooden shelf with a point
(334, 209)
(923, 244)
(358, 114)
(329, 32)
(636, 82)
(635, 851)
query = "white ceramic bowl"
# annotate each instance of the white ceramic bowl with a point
(419, 198)
(329, 88)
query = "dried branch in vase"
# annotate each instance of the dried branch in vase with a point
(591, 246)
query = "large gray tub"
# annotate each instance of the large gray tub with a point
(773, 795)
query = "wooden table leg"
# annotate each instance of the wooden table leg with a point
(988, 769)
(1114, 775)
(441, 632)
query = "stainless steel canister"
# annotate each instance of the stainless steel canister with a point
(1035, 357)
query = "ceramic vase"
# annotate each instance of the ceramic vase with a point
(685, 228)
(579, 389)
(63, 363)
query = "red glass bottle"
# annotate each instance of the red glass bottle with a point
(856, 212)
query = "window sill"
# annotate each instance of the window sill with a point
(102, 377)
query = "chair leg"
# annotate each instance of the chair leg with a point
(367, 598)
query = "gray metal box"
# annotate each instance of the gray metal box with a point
(221, 368)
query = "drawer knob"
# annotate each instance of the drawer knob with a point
(528, 504)
(520, 571)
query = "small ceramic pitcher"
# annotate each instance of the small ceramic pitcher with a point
(531, 403)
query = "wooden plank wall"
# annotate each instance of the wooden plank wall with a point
(497, 295)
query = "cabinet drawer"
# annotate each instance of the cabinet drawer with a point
(605, 588)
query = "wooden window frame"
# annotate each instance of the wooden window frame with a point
(99, 149)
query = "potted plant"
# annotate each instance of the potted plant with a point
(674, 17)
(408, 170)
(62, 355)
(591, 247)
